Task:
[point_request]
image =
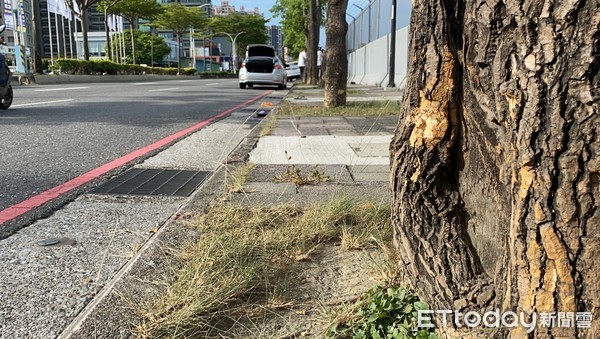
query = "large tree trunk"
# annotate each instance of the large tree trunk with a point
(312, 41)
(335, 75)
(495, 164)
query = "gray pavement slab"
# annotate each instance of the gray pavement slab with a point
(272, 194)
(373, 176)
(326, 150)
(268, 173)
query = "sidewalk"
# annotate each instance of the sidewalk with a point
(113, 250)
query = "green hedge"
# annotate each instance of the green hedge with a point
(82, 67)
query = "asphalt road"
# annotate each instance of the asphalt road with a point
(54, 133)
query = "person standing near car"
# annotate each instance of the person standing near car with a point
(320, 61)
(302, 63)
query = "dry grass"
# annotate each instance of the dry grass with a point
(244, 261)
(238, 178)
(352, 109)
(269, 124)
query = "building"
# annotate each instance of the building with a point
(16, 15)
(276, 39)
(224, 10)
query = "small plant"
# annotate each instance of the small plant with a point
(293, 175)
(384, 312)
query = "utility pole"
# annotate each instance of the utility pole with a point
(392, 70)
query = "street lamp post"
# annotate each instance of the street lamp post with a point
(233, 49)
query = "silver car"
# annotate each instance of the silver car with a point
(262, 66)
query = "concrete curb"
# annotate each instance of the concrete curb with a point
(112, 312)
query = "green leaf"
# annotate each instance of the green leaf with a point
(420, 306)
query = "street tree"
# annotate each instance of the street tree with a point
(335, 76)
(313, 26)
(149, 47)
(306, 17)
(179, 19)
(133, 11)
(253, 26)
(79, 8)
(496, 160)
(293, 21)
(105, 6)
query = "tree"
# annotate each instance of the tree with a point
(105, 6)
(148, 47)
(313, 25)
(306, 17)
(252, 25)
(335, 75)
(134, 10)
(180, 19)
(293, 20)
(495, 160)
(82, 7)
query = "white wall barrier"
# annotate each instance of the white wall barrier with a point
(369, 65)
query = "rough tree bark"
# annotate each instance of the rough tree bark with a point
(495, 161)
(335, 74)
(311, 74)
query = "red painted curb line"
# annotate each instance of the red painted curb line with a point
(23, 207)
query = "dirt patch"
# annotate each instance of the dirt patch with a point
(331, 278)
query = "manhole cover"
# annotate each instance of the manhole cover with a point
(165, 182)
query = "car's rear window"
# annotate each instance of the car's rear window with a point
(261, 51)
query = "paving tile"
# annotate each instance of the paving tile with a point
(267, 173)
(369, 177)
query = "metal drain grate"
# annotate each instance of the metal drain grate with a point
(165, 182)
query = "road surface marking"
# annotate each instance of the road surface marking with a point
(185, 80)
(42, 103)
(163, 89)
(59, 89)
(144, 83)
(213, 84)
(23, 207)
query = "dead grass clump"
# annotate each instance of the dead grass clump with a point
(244, 261)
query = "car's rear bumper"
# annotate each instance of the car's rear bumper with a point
(261, 78)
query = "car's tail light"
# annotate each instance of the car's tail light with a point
(277, 66)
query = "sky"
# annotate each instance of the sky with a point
(353, 8)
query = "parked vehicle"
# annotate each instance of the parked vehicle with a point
(262, 66)
(6, 92)
(293, 71)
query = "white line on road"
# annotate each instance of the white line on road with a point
(59, 89)
(42, 103)
(163, 89)
(185, 80)
(144, 83)
(213, 84)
